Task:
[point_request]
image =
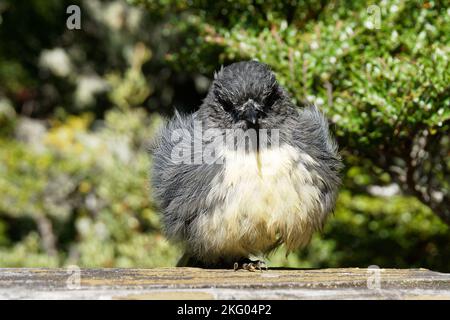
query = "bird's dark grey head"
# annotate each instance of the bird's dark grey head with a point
(244, 93)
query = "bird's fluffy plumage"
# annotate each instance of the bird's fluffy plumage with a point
(248, 202)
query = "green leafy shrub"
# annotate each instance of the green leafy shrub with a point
(85, 193)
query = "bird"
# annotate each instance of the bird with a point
(274, 182)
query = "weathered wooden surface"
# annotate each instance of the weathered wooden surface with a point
(192, 283)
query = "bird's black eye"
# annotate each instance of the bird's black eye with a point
(221, 99)
(226, 105)
(271, 98)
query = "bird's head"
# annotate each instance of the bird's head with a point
(245, 93)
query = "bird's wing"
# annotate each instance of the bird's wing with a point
(311, 136)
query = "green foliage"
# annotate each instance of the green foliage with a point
(77, 109)
(369, 230)
(7, 117)
(92, 185)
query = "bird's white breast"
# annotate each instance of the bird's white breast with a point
(265, 196)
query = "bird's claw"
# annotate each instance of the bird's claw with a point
(250, 265)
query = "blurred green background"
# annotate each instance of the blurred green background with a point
(78, 107)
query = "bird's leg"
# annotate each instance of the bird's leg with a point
(250, 265)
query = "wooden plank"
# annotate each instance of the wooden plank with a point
(194, 283)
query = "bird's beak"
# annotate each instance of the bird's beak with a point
(251, 116)
(251, 111)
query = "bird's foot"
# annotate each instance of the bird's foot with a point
(250, 265)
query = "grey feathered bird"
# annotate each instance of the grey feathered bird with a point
(248, 201)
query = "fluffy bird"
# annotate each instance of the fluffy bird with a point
(245, 202)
